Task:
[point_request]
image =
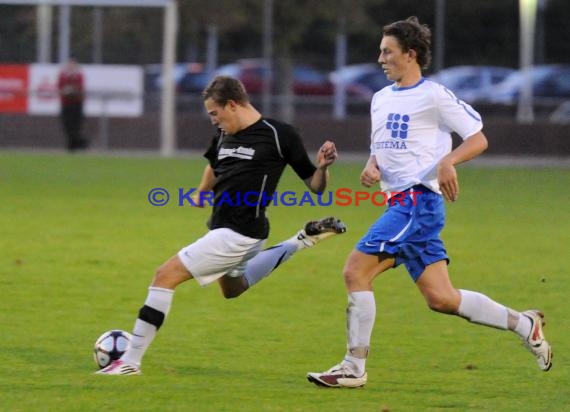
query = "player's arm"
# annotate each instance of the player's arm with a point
(206, 185)
(447, 175)
(371, 172)
(326, 156)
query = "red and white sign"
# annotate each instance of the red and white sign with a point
(111, 90)
(13, 88)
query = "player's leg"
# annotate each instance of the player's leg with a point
(205, 260)
(441, 296)
(244, 276)
(232, 286)
(156, 307)
(374, 254)
(359, 272)
(150, 317)
(437, 290)
(266, 261)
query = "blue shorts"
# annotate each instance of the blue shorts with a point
(409, 230)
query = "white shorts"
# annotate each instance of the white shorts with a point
(217, 253)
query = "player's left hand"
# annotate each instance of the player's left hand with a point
(448, 183)
(327, 154)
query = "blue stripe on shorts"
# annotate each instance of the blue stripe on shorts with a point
(409, 230)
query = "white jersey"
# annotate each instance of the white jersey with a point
(411, 132)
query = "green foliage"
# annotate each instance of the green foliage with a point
(80, 243)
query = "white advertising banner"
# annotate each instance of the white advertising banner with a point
(111, 90)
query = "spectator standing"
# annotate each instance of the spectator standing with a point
(72, 94)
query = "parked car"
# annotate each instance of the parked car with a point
(549, 83)
(469, 82)
(188, 77)
(306, 80)
(361, 80)
(194, 80)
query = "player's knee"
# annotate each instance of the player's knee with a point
(232, 293)
(232, 287)
(355, 280)
(349, 276)
(161, 274)
(442, 304)
(167, 277)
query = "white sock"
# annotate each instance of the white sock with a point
(301, 240)
(478, 308)
(158, 304)
(268, 260)
(523, 326)
(361, 314)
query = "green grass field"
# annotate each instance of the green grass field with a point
(80, 243)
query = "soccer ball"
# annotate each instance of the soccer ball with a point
(110, 346)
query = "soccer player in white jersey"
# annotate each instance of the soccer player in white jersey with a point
(411, 152)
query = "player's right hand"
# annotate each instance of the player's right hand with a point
(370, 175)
(198, 200)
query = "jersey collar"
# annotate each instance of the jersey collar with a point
(400, 89)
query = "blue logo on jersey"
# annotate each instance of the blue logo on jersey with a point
(398, 124)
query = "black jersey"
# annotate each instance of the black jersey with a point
(248, 166)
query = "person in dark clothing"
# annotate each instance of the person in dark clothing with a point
(246, 159)
(71, 91)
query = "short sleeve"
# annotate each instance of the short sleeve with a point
(212, 153)
(456, 115)
(295, 153)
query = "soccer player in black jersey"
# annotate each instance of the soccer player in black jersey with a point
(246, 159)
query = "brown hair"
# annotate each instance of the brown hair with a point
(225, 88)
(412, 35)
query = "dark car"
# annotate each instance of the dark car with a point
(188, 77)
(307, 81)
(194, 79)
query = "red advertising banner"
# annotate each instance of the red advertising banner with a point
(14, 88)
(111, 90)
